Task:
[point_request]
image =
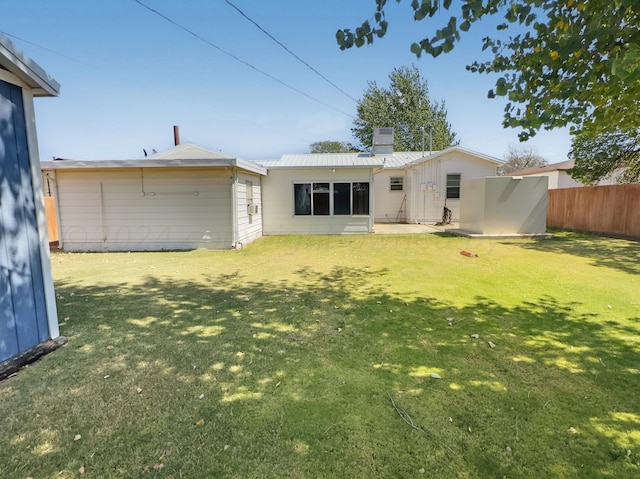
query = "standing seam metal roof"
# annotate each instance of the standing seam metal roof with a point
(342, 160)
(324, 160)
(395, 160)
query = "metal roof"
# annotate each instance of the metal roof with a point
(399, 159)
(186, 155)
(15, 61)
(189, 155)
(396, 160)
(438, 154)
(324, 160)
(562, 166)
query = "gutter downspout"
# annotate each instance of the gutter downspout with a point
(234, 207)
(372, 209)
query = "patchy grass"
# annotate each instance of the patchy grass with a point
(281, 360)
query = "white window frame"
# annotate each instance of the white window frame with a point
(396, 183)
(452, 188)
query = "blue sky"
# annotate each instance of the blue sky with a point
(128, 76)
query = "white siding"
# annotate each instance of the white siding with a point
(391, 206)
(279, 218)
(249, 226)
(557, 179)
(562, 179)
(144, 209)
(426, 184)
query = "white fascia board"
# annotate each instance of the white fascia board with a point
(116, 164)
(15, 61)
(251, 167)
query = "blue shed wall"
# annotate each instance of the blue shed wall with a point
(23, 314)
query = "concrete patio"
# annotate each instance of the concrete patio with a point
(406, 228)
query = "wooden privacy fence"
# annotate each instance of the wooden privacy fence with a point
(52, 219)
(612, 210)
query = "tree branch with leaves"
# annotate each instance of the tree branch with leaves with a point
(560, 62)
(602, 156)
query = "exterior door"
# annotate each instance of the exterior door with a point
(23, 315)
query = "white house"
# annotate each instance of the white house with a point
(556, 172)
(559, 176)
(316, 193)
(188, 197)
(414, 187)
(28, 315)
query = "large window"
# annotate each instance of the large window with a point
(360, 198)
(331, 198)
(453, 186)
(321, 195)
(342, 198)
(302, 198)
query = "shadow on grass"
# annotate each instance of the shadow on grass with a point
(620, 254)
(294, 376)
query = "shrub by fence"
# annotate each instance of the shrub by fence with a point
(612, 210)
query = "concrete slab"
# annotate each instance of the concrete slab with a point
(406, 228)
(469, 234)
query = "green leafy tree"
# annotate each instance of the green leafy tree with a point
(560, 62)
(521, 157)
(603, 156)
(329, 146)
(418, 123)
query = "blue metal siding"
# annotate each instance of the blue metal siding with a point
(23, 316)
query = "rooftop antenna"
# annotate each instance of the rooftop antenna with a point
(430, 139)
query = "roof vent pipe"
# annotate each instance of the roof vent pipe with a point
(176, 135)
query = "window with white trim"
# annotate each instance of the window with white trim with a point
(453, 186)
(396, 183)
(325, 198)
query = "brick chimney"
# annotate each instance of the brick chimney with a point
(176, 135)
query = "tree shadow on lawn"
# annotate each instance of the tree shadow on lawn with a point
(620, 254)
(297, 376)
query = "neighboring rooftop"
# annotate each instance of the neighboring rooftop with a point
(189, 151)
(562, 166)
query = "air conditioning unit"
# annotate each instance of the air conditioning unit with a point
(253, 209)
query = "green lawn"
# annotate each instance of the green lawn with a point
(282, 361)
